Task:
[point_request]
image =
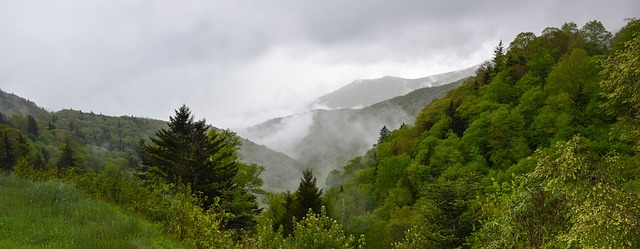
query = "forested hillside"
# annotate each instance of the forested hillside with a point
(539, 149)
(98, 140)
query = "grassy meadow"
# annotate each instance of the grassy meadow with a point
(56, 215)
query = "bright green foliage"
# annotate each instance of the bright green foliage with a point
(621, 85)
(319, 231)
(575, 75)
(523, 217)
(314, 231)
(602, 214)
(461, 176)
(389, 172)
(575, 196)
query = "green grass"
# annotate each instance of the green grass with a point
(56, 215)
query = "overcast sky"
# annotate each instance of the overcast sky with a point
(240, 62)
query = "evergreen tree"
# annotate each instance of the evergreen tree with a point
(32, 127)
(67, 159)
(8, 158)
(383, 133)
(499, 58)
(189, 154)
(307, 196)
(286, 219)
(184, 154)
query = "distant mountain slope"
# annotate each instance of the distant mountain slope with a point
(327, 139)
(362, 93)
(115, 140)
(14, 104)
(281, 171)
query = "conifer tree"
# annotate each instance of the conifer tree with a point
(190, 153)
(186, 154)
(307, 196)
(32, 127)
(499, 58)
(7, 158)
(383, 133)
(67, 159)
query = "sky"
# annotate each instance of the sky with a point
(237, 63)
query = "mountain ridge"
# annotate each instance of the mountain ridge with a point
(122, 136)
(364, 92)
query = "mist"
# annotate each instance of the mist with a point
(326, 139)
(240, 63)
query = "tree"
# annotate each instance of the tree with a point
(8, 158)
(383, 133)
(187, 154)
(285, 207)
(67, 159)
(575, 75)
(601, 212)
(307, 196)
(499, 58)
(597, 37)
(621, 85)
(32, 127)
(569, 27)
(518, 48)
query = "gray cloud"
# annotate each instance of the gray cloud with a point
(241, 62)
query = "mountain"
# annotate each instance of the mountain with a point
(327, 139)
(14, 104)
(115, 140)
(361, 93)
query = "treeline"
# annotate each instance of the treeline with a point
(96, 140)
(539, 149)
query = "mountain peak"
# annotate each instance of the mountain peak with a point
(364, 92)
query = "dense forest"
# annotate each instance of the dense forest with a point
(538, 149)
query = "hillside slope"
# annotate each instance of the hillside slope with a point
(116, 140)
(55, 215)
(325, 139)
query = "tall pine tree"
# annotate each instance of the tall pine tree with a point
(308, 196)
(32, 127)
(189, 154)
(184, 154)
(67, 159)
